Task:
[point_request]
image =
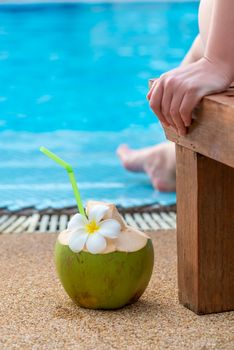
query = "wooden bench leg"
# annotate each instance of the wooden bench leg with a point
(205, 232)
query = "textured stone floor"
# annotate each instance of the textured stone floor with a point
(35, 312)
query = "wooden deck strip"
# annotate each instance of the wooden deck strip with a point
(23, 226)
(33, 224)
(3, 218)
(140, 222)
(150, 221)
(63, 222)
(130, 221)
(15, 224)
(7, 222)
(54, 220)
(44, 223)
(164, 225)
(168, 219)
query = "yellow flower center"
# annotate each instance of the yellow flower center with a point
(92, 227)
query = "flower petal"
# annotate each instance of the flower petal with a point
(76, 222)
(96, 243)
(109, 228)
(77, 241)
(97, 212)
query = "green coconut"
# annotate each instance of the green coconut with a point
(112, 279)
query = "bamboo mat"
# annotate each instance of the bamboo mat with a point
(52, 220)
(37, 314)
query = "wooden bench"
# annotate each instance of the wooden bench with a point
(205, 206)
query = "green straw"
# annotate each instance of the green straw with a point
(71, 175)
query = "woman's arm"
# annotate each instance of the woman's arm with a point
(220, 44)
(195, 52)
(175, 94)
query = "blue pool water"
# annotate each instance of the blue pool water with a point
(74, 79)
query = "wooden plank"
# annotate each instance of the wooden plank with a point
(140, 222)
(24, 226)
(44, 223)
(11, 228)
(205, 233)
(148, 218)
(210, 134)
(212, 130)
(3, 218)
(63, 222)
(159, 220)
(33, 223)
(173, 215)
(168, 219)
(130, 221)
(7, 222)
(53, 223)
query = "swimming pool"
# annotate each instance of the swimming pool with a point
(74, 79)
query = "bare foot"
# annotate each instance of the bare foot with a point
(157, 161)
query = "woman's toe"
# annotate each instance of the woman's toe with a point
(131, 159)
(163, 186)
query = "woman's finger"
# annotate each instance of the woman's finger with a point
(166, 105)
(155, 102)
(148, 96)
(189, 102)
(175, 111)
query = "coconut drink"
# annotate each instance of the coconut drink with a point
(101, 262)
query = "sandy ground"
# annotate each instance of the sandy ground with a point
(35, 312)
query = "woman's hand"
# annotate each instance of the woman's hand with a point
(175, 94)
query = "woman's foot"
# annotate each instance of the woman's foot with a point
(157, 161)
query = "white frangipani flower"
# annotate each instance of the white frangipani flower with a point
(92, 231)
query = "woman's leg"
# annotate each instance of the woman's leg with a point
(158, 161)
